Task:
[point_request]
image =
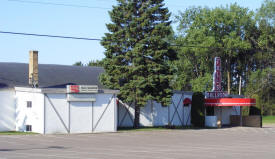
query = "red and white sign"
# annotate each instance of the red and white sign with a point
(82, 89)
(73, 89)
(217, 77)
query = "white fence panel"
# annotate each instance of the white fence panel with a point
(154, 114)
(146, 115)
(125, 115)
(160, 114)
(176, 110)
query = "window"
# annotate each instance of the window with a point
(29, 104)
(28, 128)
(210, 111)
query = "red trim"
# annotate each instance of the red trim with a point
(230, 102)
(187, 101)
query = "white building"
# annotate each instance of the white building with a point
(35, 98)
(50, 108)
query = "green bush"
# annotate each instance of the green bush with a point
(197, 110)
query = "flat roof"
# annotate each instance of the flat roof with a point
(59, 90)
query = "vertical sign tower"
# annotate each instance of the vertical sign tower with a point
(217, 79)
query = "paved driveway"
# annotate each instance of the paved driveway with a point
(238, 142)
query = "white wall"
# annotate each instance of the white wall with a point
(105, 113)
(29, 116)
(154, 114)
(7, 110)
(187, 111)
(226, 112)
(80, 117)
(56, 113)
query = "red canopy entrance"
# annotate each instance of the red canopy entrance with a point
(230, 102)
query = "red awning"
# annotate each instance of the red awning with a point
(230, 102)
(187, 101)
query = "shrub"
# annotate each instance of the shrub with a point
(197, 110)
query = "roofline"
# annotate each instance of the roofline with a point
(51, 64)
(64, 90)
(7, 89)
(58, 90)
(183, 92)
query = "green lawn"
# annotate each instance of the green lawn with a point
(16, 133)
(268, 119)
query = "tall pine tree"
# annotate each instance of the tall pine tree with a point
(138, 54)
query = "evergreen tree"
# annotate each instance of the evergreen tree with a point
(98, 63)
(79, 63)
(138, 54)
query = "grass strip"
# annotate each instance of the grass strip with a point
(16, 133)
(268, 119)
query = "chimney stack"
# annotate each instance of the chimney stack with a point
(33, 68)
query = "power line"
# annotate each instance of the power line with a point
(50, 36)
(96, 39)
(60, 4)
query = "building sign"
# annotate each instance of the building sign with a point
(82, 89)
(216, 94)
(217, 79)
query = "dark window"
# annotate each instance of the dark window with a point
(28, 128)
(29, 104)
(209, 111)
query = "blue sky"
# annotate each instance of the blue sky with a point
(69, 21)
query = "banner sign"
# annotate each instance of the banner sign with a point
(217, 79)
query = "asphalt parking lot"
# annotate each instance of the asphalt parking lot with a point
(237, 142)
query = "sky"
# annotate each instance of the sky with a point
(78, 18)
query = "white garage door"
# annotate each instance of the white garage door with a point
(81, 117)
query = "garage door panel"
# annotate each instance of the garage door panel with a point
(80, 117)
